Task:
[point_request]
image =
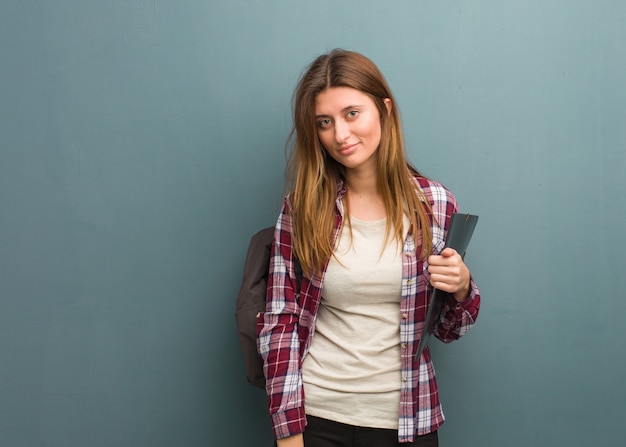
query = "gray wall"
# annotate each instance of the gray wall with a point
(142, 143)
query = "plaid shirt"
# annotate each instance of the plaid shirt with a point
(286, 328)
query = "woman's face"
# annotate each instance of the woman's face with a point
(348, 126)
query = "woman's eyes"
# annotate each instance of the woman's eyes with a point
(326, 122)
(323, 123)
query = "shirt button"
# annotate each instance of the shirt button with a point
(404, 379)
(403, 345)
(409, 281)
(405, 316)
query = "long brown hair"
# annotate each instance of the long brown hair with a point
(315, 175)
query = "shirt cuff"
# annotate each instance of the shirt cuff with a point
(467, 305)
(289, 422)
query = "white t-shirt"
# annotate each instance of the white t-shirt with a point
(352, 371)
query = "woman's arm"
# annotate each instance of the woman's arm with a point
(448, 271)
(277, 336)
(291, 441)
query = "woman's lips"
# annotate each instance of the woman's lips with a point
(345, 150)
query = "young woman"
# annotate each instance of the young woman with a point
(368, 231)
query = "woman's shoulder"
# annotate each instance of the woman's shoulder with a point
(434, 191)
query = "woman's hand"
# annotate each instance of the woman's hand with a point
(449, 273)
(291, 441)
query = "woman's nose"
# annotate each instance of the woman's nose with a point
(342, 131)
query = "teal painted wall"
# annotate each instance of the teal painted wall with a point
(142, 143)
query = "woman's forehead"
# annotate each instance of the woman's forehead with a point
(334, 99)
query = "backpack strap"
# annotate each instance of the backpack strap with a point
(297, 267)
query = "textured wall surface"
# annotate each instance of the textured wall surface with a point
(142, 143)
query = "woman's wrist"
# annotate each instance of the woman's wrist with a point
(462, 294)
(291, 441)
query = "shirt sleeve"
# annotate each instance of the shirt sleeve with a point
(277, 336)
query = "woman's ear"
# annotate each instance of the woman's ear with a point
(388, 104)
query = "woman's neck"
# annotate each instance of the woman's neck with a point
(362, 183)
(364, 199)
